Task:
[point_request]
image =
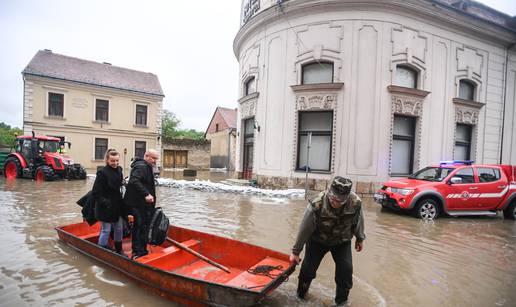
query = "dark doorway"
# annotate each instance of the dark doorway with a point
(248, 148)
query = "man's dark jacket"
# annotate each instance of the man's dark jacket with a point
(141, 184)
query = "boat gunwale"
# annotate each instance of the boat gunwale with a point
(273, 283)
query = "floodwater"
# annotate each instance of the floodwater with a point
(405, 261)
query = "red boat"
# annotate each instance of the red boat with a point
(233, 274)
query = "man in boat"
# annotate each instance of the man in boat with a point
(330, 221)
(140, 195)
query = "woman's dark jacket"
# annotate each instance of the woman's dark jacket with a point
(109, 205)
(141, 184)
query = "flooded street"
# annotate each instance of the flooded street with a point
(405, 262)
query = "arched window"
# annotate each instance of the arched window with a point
(250, 86)
(466, 90)
(405, 76)
(318, 72)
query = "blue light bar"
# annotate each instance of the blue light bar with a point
(455, 162)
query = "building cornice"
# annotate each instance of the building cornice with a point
(468, 103)
(91, 130)
(407, 91)
(432, 12)
(317, 87)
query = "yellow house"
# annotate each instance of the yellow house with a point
(94, 106)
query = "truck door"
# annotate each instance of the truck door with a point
(492, 187)
(463, 195)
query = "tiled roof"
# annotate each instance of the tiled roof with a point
(48, 64)
(229, 116)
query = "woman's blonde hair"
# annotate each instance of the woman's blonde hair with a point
(110, 153)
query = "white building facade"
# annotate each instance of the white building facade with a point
(382, 88)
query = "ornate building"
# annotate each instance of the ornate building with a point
(377, 88)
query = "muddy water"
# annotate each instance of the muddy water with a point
(406, 262)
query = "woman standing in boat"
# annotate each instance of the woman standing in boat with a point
(109, 206)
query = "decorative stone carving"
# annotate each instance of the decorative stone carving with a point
(316, 102)
(465, 115)
(248, 108)
(406, 105)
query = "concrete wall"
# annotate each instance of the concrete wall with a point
(223, 149)
(365, 44)
(78, 124)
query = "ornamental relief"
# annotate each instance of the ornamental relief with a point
(316, 102)
(466, 116)
(248, 108)
(407, 105)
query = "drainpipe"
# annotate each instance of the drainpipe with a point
(229, 149)
(505, 96)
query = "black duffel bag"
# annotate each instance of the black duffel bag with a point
(158, 227)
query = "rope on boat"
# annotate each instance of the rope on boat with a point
(265, 270)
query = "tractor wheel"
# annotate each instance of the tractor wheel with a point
(44, 173)
(427, 209)
(81, 174)
(12, 168)
(510, 211)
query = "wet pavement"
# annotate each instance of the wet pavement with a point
(406, 262)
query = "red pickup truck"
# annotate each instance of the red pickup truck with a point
(453, 188)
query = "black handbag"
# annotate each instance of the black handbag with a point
(158, 229)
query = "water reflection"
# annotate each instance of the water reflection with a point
(406, 261)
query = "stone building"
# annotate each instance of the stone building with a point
(222, 134)
(380, 88)
(95, 106)
(185, 153)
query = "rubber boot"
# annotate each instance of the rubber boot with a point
(341, 297)
(302, 288)
(118, 249)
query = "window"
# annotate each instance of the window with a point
(101, 146)
(55, 104)
(139, 149)
(320, 72)
(487, 174)
(216, 127)
(101, 110)
(462, 142)
(319, 125)
(250, 86)
(403, 145)
(141, 115)
(405, 76)
(466, 90)
(466, 174)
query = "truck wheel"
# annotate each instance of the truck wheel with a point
(510, 211)
(44, 173)
(427, 209)
(12, 168)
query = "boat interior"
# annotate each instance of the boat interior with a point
(251, 267)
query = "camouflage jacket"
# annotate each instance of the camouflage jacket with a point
(330, 226)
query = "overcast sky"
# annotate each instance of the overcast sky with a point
(187, 44)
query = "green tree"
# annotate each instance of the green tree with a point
(8, 134)
(170, 128)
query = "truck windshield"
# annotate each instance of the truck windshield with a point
(432, 174)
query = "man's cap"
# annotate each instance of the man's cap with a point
(340, 188)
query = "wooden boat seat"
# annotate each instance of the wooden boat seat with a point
(171, 256)
(255, 282)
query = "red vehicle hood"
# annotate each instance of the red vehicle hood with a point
(65, 158)
(406, 183)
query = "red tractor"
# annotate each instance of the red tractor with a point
(41, 158)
